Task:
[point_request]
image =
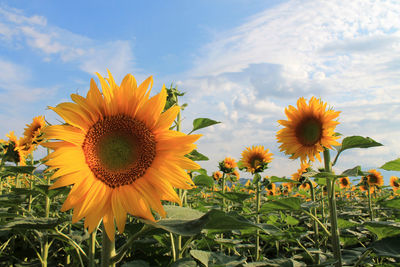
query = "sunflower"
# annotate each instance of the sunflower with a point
(271, 189)
(228, 165)
(394, 182)
(34, 130)
(344, 182)
(374, 178)
(256, 158)
(217, 175)
(118, 153)
(14, 149)
(308, 130)
(303, 169)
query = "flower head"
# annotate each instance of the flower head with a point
(228, 165)
(344, 183)
(256, 159)
(374, 178)
(309, 128)
(217, 175)
(117, 151)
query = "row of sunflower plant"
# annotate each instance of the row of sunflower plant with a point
(101, 194)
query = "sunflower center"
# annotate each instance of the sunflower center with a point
(396, 183)
(119, 149)
(309, 131)
(345, 182)
(373, 179)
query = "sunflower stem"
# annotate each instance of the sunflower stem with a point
(332, 211)
(258, 202)
(92, 249)
(107, 250)
(371, 214)
(315, 224)
(46, 244)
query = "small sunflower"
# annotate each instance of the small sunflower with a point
(271, 189)
(394, 182)
(34, 130)
(228, 165)
(308, 130)
(217, 175)
(374, 178)
(14, 149)
(117, 151)
(303, 169)
(256, 158)
(344, 182)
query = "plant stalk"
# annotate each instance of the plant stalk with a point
(107, 250)
(371, 213)
(258, 202)
(332, 211)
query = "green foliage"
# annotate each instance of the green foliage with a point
(203, 180)
(200, 123)
(196, 156)
(393, 165)
(290, 203)
(355, 142)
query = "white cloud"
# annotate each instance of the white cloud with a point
(54, 44)
(302, 48)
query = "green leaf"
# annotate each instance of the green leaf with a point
(393, 165)
(196, 156)
(290, 203)
(31, 223)
(185, 221)
(203, 180)
(343, 224)
(356, 171)
(391, 203)
(280, 262)
(212, 258)
(200, 123)
(275, 179)
(234, 196)
(355, 142)
(383, 229)
(185, 262)
(14, 170)
(136, 263)
(387, 247)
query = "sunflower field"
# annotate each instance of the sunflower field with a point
(122, 185)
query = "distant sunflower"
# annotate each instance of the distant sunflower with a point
(14, 149)
(374, 178)
(228, 165)
(118, 153)
(256, 158)
(217, 175)
(394, 183)
(303, 169)
(34, 130)
(271, 189)
(308, 130)
(344, 182)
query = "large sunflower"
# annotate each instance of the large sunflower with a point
(118, 153)
(256, 158)
(308, 130)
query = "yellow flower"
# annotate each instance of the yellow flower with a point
(344, 182)
(15, 152)
(230, 163)
(33, 130)
(394, 182)
(374, 178)
(308, 130)
(303, 168)
(217, 175)
(256, 158)
(118, 152)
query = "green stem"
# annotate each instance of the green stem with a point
(92, 248)
(332, 211)
(173, 249)
(46, 245)
(223, 191)
(315, 224)
(371, 214)
(107, 250)
(258, 202)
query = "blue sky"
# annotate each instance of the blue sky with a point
(240, 62)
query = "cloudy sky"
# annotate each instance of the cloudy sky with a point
(239, 62)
